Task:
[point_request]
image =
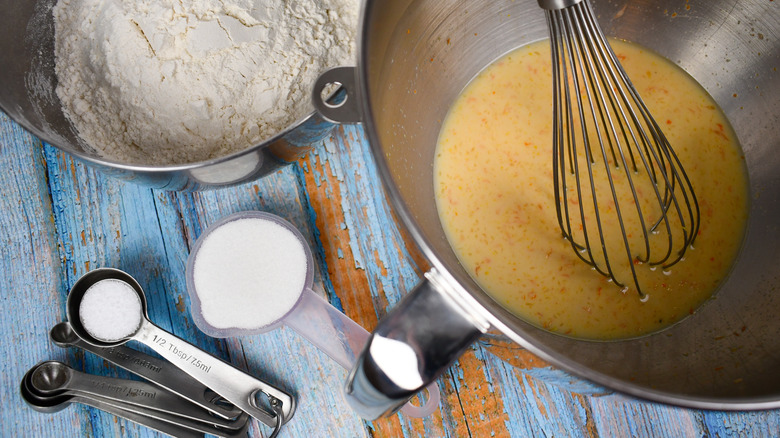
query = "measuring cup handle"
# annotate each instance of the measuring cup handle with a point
(334, 333)
(234, 385)
(342, 339)
(411, 347)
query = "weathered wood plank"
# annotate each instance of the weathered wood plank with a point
(34, 298)
(28, 262)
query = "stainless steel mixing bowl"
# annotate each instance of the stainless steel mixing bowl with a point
(27, 95)
(417, 55)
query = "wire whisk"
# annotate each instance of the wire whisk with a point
(622, 196)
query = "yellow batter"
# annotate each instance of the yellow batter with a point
(494, 192)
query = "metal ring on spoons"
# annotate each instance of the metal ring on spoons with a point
(150, 368)
(54, 377)
(236, 386)
(49, 404)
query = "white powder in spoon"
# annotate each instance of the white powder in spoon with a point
(248, 273)
(178, 81)
(110, 310)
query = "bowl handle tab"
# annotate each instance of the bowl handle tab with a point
(335, 96)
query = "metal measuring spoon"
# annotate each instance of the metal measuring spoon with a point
(54, 403)
(53, 378)
(151, 368)
(236, 386)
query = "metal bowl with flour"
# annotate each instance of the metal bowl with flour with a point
(29, 96)
(416, 56)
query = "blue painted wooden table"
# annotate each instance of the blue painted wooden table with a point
(60, 219)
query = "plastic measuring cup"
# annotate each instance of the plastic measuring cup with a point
(335, 334)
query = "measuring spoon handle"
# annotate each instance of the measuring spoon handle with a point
(150, 368)
(157, 424)
(186, 426)
(135, 393)
(234, 385)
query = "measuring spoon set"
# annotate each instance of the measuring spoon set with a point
(192, 392)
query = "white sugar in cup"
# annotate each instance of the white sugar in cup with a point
(247, 272)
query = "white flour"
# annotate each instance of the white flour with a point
(178, 81)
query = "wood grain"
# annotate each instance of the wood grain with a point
(60, 219)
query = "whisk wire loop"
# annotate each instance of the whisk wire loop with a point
(569, 51)
(598, 115)
(592, 60)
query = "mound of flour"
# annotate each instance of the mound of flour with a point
(178, 81)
